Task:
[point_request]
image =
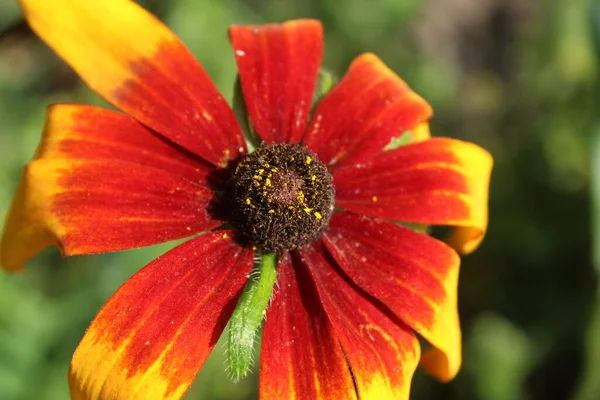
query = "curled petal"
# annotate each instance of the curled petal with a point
(368, 108)
(134, 61)
(412, 274)
(383, 352)
(278, 66)
(153, 335)
(439, 181)
(300, 358)
(92, 206)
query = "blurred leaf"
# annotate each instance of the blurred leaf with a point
(498, 356)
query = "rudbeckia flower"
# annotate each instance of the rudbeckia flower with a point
(321, 198)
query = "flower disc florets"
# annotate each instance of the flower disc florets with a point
(282, 196)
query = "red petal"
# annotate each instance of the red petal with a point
(439, 181)
(153, 335)
(300, 358)
(91, 206)
(278, 66)
(359, 117)
(383, 353)
(414, 275)
(84, 132)
(134, 61)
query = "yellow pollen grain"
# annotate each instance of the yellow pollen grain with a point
(374, 199)
(307, 210)
(313, 178)
(267, 182)
(261, 171)
(308, 159)
(257, 177)
(271, 211)
(225, 236)
(318, 215)
(248, 201)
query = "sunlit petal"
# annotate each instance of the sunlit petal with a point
(370, 106)
(91, 206)
(153, 335)
(300, 357)
(92, 133)
(136, 63)
(439, 181)
(278, 66)
(413, 274)
(382, 351)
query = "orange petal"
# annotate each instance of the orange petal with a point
(414, 275)
(153, 335)
(300, 358)
(91, 206)
(383, 352)
(135, 62)
(439, 181)
(278, 66)
(368, 108)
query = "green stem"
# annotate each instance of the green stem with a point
(248, 315)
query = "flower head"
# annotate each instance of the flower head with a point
(322, 192)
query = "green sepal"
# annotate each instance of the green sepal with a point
(420, 228)
(325, 82)
(249, 314)
(241, 112)
(405, 138)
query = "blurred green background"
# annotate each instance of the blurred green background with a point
(519, 77)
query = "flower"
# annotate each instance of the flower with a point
(353, 287)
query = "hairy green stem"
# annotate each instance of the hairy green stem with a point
(248, 315)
